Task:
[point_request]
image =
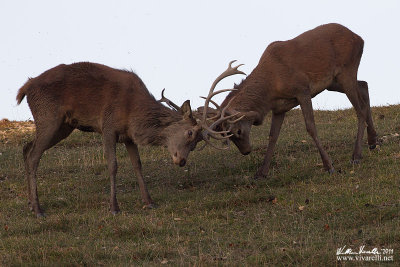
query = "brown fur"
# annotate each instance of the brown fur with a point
(292, 72)
(115, 103)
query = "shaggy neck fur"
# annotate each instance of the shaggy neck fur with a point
(152, 127)
(247, 96)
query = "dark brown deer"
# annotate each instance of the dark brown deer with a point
(292, 72)
(115, 103)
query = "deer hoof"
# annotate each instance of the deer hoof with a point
(37, 210)
(331, 171)
(356, 161)
(150, 206)
(371, 147)
(115, 212)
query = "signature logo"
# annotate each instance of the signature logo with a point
(349, 251)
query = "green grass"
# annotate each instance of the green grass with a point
(211, 212)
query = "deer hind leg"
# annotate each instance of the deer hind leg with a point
(351, 89)
(308, 113)
(137, 167)
(27, 148)
(372, 136)
(365, 104)
(46, 136)
(276, 123)
(109, 141)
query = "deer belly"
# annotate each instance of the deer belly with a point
(320, 85)
(81, 123)
(284, 104)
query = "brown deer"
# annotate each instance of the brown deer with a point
(292, 72)
(115, 103)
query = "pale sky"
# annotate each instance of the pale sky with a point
(184, 45)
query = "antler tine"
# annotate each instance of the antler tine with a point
(212, 102)
(228, 72)
(219, 121)
(208, 142)
(202, 147)
(235, 121)
(215, 134)
(221, 91)
(168, 102)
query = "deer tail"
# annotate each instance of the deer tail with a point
(23, 91)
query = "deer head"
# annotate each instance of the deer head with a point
(181, 136)
(239, 131)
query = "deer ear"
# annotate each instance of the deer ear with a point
(186, 110)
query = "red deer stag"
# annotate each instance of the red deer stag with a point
(115, 103)
(292, 72)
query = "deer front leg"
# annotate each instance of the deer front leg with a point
(110, 149)
(137, 167)
(276, 123)
(307, 109)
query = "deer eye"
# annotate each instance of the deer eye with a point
(239, 132)
(190, 133)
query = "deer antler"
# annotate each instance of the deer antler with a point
(221, 116)
(168, 102)
(228, 72)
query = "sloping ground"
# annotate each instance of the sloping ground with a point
(211, 212)
(15, 130)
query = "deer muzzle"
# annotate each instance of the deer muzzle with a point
(179, 160)
(243, 145)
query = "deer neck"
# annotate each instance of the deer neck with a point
(150, 127)
(252, 95)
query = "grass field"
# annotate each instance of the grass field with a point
(211, 212)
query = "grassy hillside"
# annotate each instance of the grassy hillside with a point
(211, 212)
